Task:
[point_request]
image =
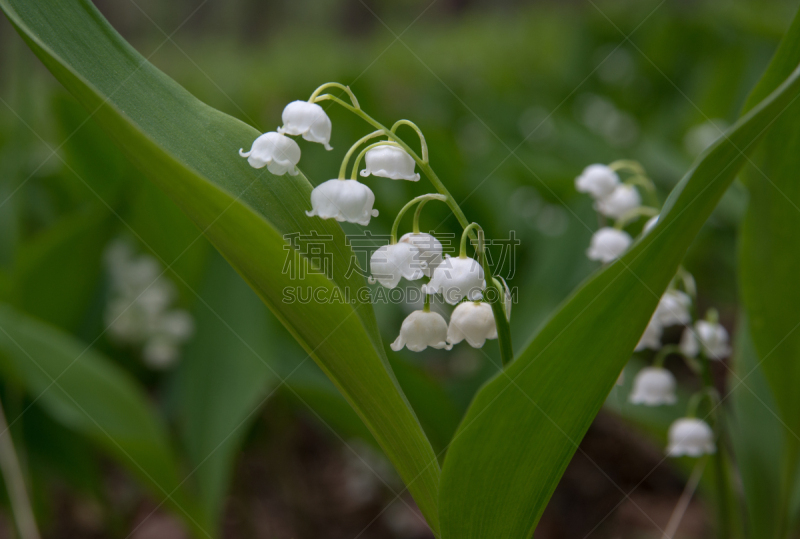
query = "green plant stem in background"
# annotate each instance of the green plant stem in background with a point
(15, 483)
(720, 469)
(503, 327)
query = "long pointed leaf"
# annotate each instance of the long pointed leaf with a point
(524, 425)
(87, 393)
(189, 150)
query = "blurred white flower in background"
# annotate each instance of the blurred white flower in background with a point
(653, 386)
(700, 137)
(620, 201)
(713, 338)
(690, 437)
(608, 244)
(138, 311)
(597, 180)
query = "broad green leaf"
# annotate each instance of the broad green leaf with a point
(524, 425)
(87, 393)
(55, 274)
(757, 437)
(190, 151)
(769, 253)
(222, 380)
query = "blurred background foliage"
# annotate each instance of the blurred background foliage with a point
(514, 98)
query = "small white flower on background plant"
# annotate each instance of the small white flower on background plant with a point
(688, 343)
(277, 152)
(597, 180)
(673, 308)
(391, 262)
(343, 200)
(473, 322)
(713, 338)
(309, 120)
(651, 338)
(608, 244)
(690, 437)
(420, 330)
(388, 161)
(622, 199)
(430, 250)
(650, 224)
(653, 386)
(138, 312)
(456, 279)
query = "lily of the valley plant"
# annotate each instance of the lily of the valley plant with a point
(462, 280)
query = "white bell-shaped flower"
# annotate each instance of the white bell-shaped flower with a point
(309, 120)
(690, 437)
(391, 262)
(597, 180)
(430, 250)
(343, 200)
(420, 330)
(277, 152)
(653, 386)
(473, 322)
(388, 161)
(651, 338)
(673, 308)
(713, 338)
(688, 344)
(456, 279)
(622, 199)
(608, 244)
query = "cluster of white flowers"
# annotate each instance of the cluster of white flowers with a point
(416, 255)
(655, 386)
(139, 310)
(615, 200)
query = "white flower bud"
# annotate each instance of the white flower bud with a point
(713, 338)
(622, 199)
(391, 162)
(689, 345)
(472, 321)
(420, 330)
(176, 324)
(430, 250)
(277, 152)
(651, 338)
(608, 244)
(653, 386)
(160, 352)
(673, 308)
(597, 180)
(391, 262)
(456, 279)
(343, 200)
(691, 437)
(309, 120)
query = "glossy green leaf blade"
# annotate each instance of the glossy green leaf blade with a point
(222, 380)
(190, 151)
(769, 249)
(524, 425)
(87, 393)
(757, 437)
